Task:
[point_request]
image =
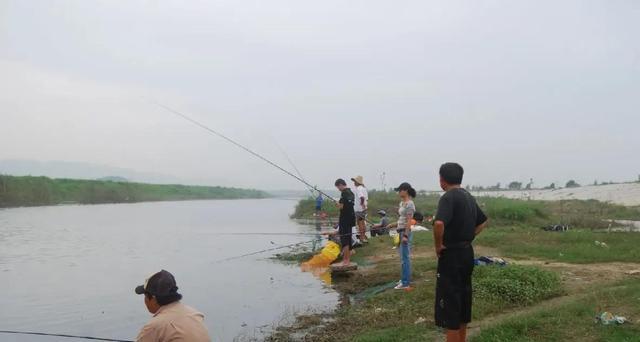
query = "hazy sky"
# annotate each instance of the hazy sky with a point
(510, 89)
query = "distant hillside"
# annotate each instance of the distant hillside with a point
(34, 191)
(113, 179)
(623, 193)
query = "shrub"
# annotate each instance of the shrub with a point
(515, 284)
(502, 209)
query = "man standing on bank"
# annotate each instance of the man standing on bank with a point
(360, 206)
(458, 221)
(347, 219)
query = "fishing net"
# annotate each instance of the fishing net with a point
(374, 290)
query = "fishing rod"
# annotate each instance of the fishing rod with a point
(264, 251)
(293, 165)
(259, 156)
(237, 144)
(267, 234)
(61, 335)
(250, 151)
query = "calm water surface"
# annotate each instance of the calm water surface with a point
(72, 269)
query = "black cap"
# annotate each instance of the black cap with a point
(404, 186)
(418, 216)
(160, 284)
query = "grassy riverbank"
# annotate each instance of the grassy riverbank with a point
(35, 191)
(588, 214)
(551, 290)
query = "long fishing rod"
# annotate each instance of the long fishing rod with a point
(293, 165)
(61, 335)
(264, 251)
(267, 234)
(255, 154)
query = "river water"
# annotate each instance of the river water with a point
(72, 269)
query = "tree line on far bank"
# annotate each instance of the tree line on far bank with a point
(516, 185)
(16, 191)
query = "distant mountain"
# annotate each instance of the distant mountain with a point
(79, 170)
(114, 179)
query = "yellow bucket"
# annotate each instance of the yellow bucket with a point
(331, 251)
(327, 255)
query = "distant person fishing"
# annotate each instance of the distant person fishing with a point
(347, 219)
(319, 201)
(406, 209)
(360, 207)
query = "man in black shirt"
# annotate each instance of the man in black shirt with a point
(347, 219)
(458, 221)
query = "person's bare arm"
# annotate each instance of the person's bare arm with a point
(481, 227)
(438, 235)
(364, 207)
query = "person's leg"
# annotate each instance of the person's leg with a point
(467, 292)
(463, 332)
(406, 264)
(448, 293)
(346, 255)
(362, 229)
(453, 336)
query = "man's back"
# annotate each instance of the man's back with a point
(460, 214)
(347, 200)
(175, 322)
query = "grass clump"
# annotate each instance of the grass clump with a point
(516, 285)
(574, 320)
(574, 246)
(510, 210)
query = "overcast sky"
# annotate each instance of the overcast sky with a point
(510, 89)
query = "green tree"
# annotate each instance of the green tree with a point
(515, 185)
(572, 184)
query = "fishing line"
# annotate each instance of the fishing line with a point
(264, 251)
(292, 164)
(269, 234)
(255, 154)
(61, 335)
(259, 156)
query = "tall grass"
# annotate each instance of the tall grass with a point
(31, 191)
(501, 211)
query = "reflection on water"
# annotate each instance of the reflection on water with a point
(72, 269)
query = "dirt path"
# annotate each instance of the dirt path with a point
(579, 281)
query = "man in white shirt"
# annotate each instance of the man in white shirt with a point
(360, 206)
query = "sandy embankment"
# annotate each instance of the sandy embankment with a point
(624, 194)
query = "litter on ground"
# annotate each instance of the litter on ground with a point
(489, 260)
(607, 318)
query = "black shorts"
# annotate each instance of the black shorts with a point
(346, 240)
(345, 228)
(453, 288)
